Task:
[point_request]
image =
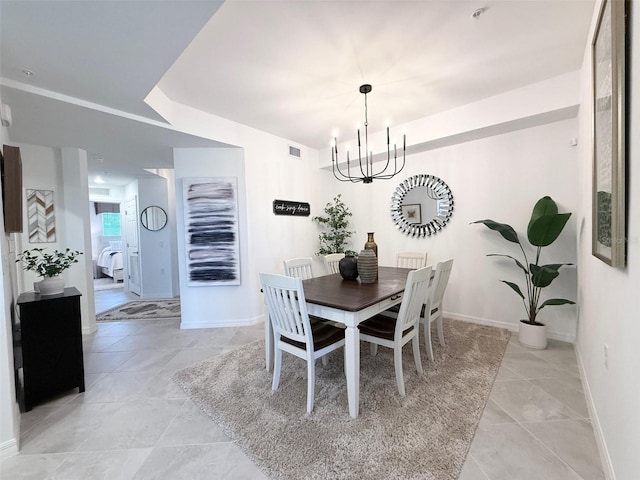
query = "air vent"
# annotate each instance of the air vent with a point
(294, 152)
(99, 191)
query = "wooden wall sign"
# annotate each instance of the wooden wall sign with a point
(286, 207)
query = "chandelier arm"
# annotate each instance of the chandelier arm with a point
(395, 170)
(367, 171)
(336, 167)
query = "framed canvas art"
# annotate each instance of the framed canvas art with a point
(211, 229)
(608, 60)
(41, 216)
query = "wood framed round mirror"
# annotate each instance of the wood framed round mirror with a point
(153, 218)
(421, 205)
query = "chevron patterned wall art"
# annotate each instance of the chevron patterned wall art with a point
(41, 216)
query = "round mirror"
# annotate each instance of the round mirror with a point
(421, 205)
(153, 218)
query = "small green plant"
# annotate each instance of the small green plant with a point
(47, 264)
(544, 227)
(336, 221)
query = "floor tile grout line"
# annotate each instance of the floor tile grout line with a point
(486, 475)
(170, 423)
(551, 451)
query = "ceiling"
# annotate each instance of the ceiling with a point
(291, 68)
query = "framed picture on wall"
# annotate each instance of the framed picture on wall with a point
(609, 157)
(41, 216)
(412, 213)
(211, 223)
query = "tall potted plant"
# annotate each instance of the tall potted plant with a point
(335, 221)
(49, 266)
(544, 228)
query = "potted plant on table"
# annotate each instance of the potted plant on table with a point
(49, 266)
(544, 228)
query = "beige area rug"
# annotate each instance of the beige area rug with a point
(147, 309)
(425, 435)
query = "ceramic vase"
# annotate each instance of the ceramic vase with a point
(51, 285)
(348, 267)
(533, 335)
(371, 243)
(368, 266)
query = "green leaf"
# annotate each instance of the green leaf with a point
(545, 230)
(544, 206)
(546, 223)
(556, 301)
(512, 258)
(515, 288)
(543, 275)
(507, 231)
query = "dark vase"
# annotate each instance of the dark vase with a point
(348, 267)
(371, 243)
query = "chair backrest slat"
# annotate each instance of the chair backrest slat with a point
(286, 306)
(413, 298)
(440, 282)
(411, 260)
(332, 262)
(299, 268)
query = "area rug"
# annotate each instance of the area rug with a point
(424, 435)
(147, 309)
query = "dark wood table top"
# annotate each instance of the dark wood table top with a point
(351, 295)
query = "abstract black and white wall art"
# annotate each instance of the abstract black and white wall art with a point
(41, 216)
(211, 226)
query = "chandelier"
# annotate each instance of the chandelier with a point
(364, 172)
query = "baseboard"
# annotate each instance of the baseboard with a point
(148, 297)
(563, 337)
(605, 458)
(8, 449)
(242, 322)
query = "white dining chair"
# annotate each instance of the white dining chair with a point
(299, 267)
(395, 332)
(433, 306)
(411, 260)
(292, 330)
(332, 261)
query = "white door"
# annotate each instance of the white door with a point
(131, 242)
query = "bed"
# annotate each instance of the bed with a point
(109, 261)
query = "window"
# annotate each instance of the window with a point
(111, 225)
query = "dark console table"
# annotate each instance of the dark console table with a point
(47, 346)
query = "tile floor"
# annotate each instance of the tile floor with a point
(133, 422)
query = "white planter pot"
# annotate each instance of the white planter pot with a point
(533, 336)
(51, 285)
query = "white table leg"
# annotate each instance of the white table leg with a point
(268, 342)
(352, 365)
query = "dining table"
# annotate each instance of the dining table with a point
(349, 302)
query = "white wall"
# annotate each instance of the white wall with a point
(156, 253)
(45, 168)
(609, 296)
(9, 414)
(77, 233)
(524, 159)
(216, 305)
(265, 172)
(501, 178)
